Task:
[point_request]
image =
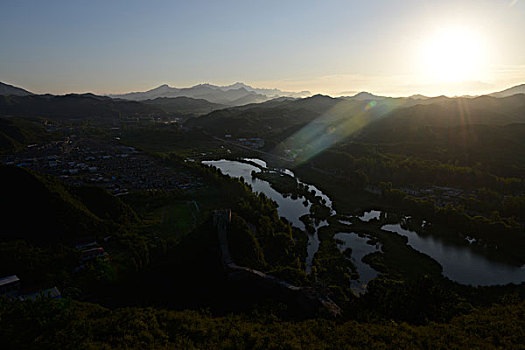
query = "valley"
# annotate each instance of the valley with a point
(318, 203)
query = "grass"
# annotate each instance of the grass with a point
(174, 218)
(177, 218)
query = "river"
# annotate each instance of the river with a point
(289, 208)
(460, 263)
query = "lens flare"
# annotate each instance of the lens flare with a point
(338, 123)
(370, 105)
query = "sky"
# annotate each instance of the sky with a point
(395, 48)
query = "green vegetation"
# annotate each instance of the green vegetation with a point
(184, 106)
(163, 251)
(104, 110)
(17, 133)
(66, 324)
(169, 138)
(42, 208)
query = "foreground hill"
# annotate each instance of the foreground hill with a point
(42, 209)
(6, 89)
(65, 324)
(16, 133)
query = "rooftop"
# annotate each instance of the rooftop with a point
(8, 280)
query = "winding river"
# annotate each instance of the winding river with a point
(289, 208)
(460, 263)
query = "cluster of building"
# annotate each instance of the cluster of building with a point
(11, 287)
(254, 142)
(439, 194)
(113, 166)
(89, 251)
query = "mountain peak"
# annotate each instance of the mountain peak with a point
(364, 95)
(163, 87)
(319, 97)
(419, 97)
(237, 85)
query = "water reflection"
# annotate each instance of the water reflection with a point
(313, 245)
(460, 263)
(360, 249)
(291, 209)
(369, 215)
(259, 162)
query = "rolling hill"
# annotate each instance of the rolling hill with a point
(43, 209)
(403, 123)
(15, 133)
(281, 117)
(469, 131)
(184, 106)
(6, 89)
(73, 106)
(518, 89)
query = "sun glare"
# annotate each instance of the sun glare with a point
(453, 55)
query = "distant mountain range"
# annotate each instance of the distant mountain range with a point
(236, 110)
(387, 117)
(237, 94)
(518, 89)
(6, 89)
(271, 93)
(43, 209)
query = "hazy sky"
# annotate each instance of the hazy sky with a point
(334, 47)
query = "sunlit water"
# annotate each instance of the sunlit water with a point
(460, 263)
(259, 162)
(369, 215)
(291, 209)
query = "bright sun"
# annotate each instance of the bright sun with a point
(453, 55)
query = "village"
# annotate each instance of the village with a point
(117, 168)
(14, 288)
